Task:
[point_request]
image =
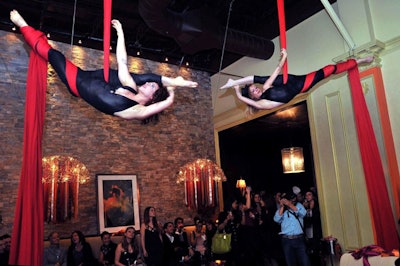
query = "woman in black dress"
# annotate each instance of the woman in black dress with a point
(150, 233)
(127, 253)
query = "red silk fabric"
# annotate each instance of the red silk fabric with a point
(282, 34)
(383, 220)
(106, 37)
(27, 234)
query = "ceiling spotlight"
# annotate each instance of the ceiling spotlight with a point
(138, 53)
(187, 63)
(166, 59)
(80, 41)
(48, 35)
(14, 28)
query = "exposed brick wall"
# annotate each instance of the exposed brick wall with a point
(105, 144)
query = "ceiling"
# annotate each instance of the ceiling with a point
(192, 31)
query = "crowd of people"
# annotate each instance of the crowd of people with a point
(278, 229)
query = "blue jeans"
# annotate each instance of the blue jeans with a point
(295, 252)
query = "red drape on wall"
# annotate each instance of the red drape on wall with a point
(27, 234)
(383, 220)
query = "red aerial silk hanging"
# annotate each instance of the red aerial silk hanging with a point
(106, 37)
(383, 220)
(282, 34)
(27, 235)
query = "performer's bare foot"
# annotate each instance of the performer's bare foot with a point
(17, 19)
(367, 59)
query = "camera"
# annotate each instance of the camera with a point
(288, 196)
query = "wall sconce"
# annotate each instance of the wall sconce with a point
(201, 179)
(241, 184)
(292, 160)
(61, 178)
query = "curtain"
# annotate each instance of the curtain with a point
(383, 220)
(27, 234)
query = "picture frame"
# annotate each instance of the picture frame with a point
(118, 202)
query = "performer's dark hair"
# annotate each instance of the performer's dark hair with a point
(159, 95)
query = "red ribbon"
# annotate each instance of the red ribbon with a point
(282, 34)
(106, 37)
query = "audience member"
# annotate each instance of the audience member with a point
(54, 254)
(198, 241)
(151, 239)
(273, 246)
(249, 238)
(211, 229)
(262, 206)
(107, 249)
(127, 253)
(182, 247)
(312, 227)
(299, 195)
(80, 252)
(170, 256)
(290, 216)
(229, 222)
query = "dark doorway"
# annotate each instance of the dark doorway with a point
(252, 150)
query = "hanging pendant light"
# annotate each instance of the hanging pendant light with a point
(241, 184)
(292, 160)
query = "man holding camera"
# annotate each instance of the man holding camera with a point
(290, 216)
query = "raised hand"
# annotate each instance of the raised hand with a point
(116, 25)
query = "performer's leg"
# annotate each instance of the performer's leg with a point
(65, 69)
(316, 76)
(37, 41)
(34, 38)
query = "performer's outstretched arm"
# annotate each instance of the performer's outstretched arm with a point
(122, 58)
(274, 75)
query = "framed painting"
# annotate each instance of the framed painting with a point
(118, 202)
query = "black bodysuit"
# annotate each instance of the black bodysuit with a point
(284, 92)
(91, 86)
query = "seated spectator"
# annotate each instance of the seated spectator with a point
(107, 249)
(127, 252)
(54, 254)
(80, 252)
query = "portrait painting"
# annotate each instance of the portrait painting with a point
(118, 205)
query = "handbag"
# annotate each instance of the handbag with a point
(221, 243)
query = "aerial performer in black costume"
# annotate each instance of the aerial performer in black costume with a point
(126, 95)
(275, 92)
